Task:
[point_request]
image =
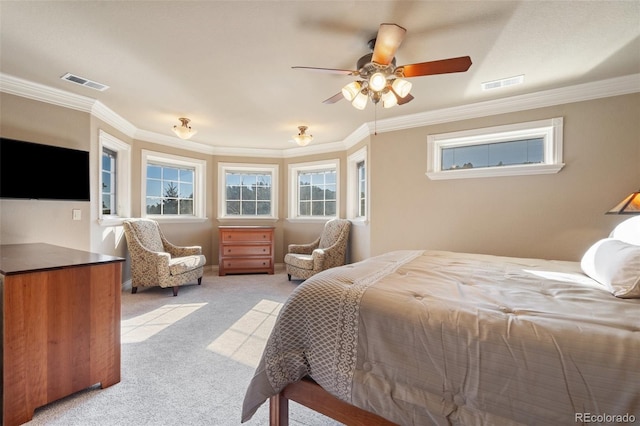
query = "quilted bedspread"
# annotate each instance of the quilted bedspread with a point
(434, 337)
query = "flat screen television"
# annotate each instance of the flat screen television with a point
(35, 171)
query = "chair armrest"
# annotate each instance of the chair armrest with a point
(319, 256)
(329, 257)
(304, 248)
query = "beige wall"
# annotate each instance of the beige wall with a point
(32, 221)
(549, 216)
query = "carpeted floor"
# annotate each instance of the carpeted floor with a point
(187, 360)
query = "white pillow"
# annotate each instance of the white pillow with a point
(628, 231)
(616, 265)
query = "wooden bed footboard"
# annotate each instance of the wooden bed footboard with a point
(308, 393)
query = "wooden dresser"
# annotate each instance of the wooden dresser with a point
(246, 249)
(60, 325)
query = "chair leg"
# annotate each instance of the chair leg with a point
(199, 280)
(289, 276)
(175, 290)
(134, 290)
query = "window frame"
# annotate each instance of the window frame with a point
(223, 168)
(353, 185)
(315, 166)
(199, 190)
(550, 130)
(122, 177)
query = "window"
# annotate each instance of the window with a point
(248, 190)
(314, 190)
(173, 186)
(114, 181)
(109, 204)
(357, 185)
(517, 149)
(169, 189)
(362, 182)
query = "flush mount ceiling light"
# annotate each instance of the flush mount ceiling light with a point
(302, 138)
(184, 131)
(379, 77)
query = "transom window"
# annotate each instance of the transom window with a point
(528, 151)
(516, 149)
(173, 186)
(314, 190)
(248, 190)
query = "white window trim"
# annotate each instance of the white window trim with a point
(223, 168)
(123, 178)
(551, 130)
(352, 185)
(294, 169)
(199, 191)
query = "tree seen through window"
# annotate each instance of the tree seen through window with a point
(248, 194)
(317, 193)
(169, 190)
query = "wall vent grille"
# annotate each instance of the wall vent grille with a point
(496, 84)
(84, 82)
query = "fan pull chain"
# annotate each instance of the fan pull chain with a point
(375, 120)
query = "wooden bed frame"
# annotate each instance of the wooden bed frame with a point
(308, 393)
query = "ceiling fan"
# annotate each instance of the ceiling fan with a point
(379, 77)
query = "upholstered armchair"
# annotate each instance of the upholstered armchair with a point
(157, 262)
(327, 251)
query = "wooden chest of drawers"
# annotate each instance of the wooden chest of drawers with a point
(246, 249)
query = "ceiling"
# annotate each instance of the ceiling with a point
(226, 65)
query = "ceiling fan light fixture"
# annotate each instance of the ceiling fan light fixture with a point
(351, 90)
(360, 101)
(184, 131)
(302, 138)
(389, 99)
(377, 81)
(401, 86)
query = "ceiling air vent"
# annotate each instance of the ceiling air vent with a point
(496, 84)
(84, 82)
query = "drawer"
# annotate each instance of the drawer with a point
(246, 236)
(246, 250)
(247, 263)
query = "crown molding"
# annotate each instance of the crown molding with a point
(104, 113)
(40, 92)
(577, 93)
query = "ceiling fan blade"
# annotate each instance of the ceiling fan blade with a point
(408, 98)
(388, 40)
(327, 70)
(335, 98)
(442, 66)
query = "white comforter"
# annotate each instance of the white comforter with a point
(432, 337)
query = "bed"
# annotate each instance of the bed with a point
(421, 337)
